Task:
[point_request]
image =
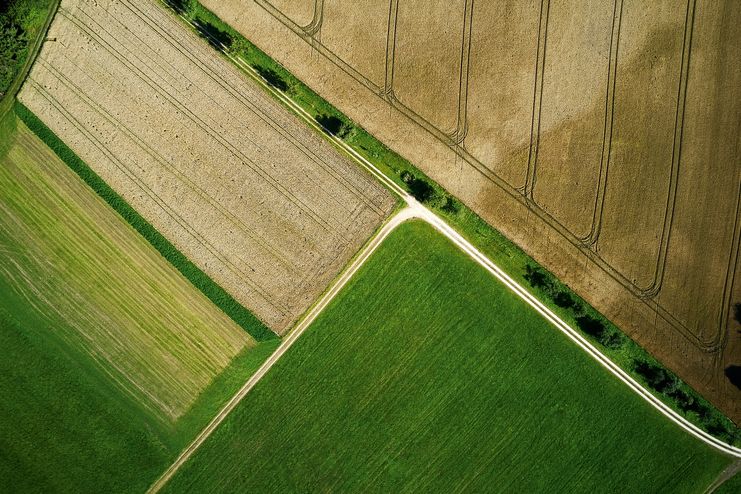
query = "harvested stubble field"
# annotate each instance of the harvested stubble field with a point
(427, 375)
(260, 203)
(112, 360)
(602, 139)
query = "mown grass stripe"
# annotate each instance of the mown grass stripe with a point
(220, 297)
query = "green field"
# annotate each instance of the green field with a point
(112, 360)
(427, 375)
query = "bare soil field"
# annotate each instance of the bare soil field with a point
(641, 153)
(428, 37)
(260, 203)
(357, 36)
(299, 11)
(572, 120)
(501, 86)
(604, 142)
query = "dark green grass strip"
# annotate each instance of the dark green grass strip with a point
(200, 280)
(426, 374)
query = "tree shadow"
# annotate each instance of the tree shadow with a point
(272, 78)
(179, 6)
(219, 39)
(733, 373)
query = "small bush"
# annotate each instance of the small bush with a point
(688, 403)
(565, 300)
(450, 206)
(182, 7)
(272, 78)
(657, 377)
(419, 188)
(221, 40)
(334, 125)
(590, 325)
(539, 278)
(612, 340)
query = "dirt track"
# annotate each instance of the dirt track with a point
(256, 200)
(607, 150)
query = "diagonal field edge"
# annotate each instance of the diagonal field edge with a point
(288, 341)
(242, 316)
(466, 246)
(416, 210)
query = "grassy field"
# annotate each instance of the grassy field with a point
(112, 360)
(627, 354)
(730, 486)
(427, 375)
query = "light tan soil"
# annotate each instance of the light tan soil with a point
(299, 11)
(572, 120)
(568, 203)
(650, 58)
(357, 36)
(258, 201)
(428, 41)
(501, 86)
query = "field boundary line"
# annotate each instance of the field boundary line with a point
(473, 252)
(414, 210)
(396, 220)
(420, 211)
(203, 283)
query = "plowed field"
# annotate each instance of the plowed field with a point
(257, 201)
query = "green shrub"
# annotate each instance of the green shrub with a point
(450, 206)
(182, 7)
(539, 278)
(565, 300)
(334, 125)
(421, 189)
(657, 377)
(272, 78)
(217, 38)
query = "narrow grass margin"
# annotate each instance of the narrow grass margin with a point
(237, 312)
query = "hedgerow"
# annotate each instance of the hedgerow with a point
(198, 278)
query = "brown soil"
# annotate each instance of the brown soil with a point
(258, 201)
(580, 145)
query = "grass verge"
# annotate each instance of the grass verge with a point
(198, 278)
(425, 374)
(557, 296)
